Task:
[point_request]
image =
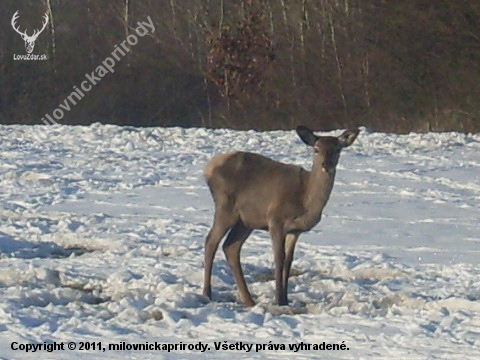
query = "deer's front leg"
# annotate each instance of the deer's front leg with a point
(290, 241)
(278, 244)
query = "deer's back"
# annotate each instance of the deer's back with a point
(244, 169)
(255, 185)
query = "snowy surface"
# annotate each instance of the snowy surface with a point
(102, 231)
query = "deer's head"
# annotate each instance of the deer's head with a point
(327, 148)
(29, 40)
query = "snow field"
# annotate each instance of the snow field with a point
(102, 231)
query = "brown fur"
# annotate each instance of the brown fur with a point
(251, 191)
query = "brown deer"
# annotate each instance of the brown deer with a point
(251, 192)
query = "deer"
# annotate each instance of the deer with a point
(29, 40)
(251, 191)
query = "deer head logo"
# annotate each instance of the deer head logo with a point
(29, 40)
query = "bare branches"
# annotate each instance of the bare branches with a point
(239, 54)
(394, 66)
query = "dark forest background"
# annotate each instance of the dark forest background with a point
(395, 66)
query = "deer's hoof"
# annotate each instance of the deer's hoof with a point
(248, 302)
(207, 293)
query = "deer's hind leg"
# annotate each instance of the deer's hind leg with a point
(232, 247)
(222, 222)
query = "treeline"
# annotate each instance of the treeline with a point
(390, 65)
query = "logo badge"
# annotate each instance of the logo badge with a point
(29, 40)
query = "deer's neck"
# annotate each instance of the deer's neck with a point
(319, 188)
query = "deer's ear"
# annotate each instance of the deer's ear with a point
(307, 135)
(348, 137)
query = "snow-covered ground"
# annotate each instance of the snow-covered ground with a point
(102, 231)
